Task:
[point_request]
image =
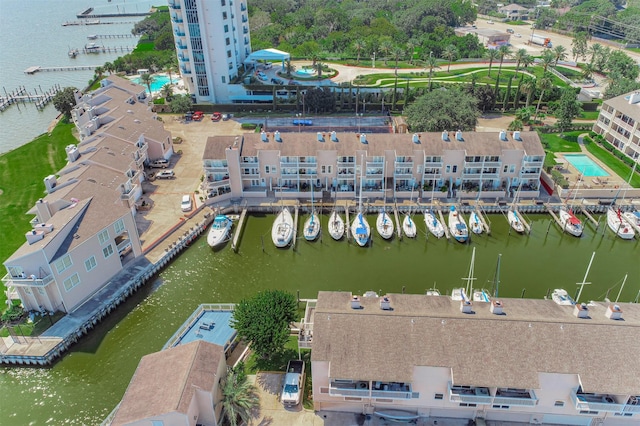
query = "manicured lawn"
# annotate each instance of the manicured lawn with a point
(612, 162)
(21, 180)
(589, 115)
(554, 143)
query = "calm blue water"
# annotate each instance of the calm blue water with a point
(585, 165)
(37, 25)
(158, 82)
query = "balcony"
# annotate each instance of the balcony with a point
(183, 58)
(182, 46)
(180, 33)
(478, 176)
(391, 390)
(177, 20)
(251, 174)
(245, 30)
(243, 7)
(244, 18)
(633, 405)
(185, 70)
(469, 394)
(28, 280)
(595, 402)
(128, 193)
(521, 397)
(349, 388)
(175, 5)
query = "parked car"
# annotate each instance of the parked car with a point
(490, 22)
(185, 205)
(277, 81)
(159, 164)
(198, 115)
(262, 76)
(518, 35)
(225, 117)
(216, 116)
(510, 30)
(165, 174)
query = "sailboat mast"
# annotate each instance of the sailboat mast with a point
(361, 178)
(497, 281)
(584, 280)
(469, 288)
(621, 287)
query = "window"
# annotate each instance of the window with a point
(224, 79)
(103, 237)
(228, 53)
(465, 404)
(595, 413)
(107, 251)
(448, 169)
(227, 41)
(559, 404)
(501, 407)
(512, 168)
(224, 15)
(71, 282)
(505, 169)
(455, 168)
(623, 414)
(438, 396)
(63, 263)
(351, 398)
(326, 169)
(223, 2)
(90, 263)
(119, 226)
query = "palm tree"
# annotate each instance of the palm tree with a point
(492, 54)
(147, 79)
(397, 53)
(595, 50)
(450, 52)
(503, 51)
(528, 86)
(547, 59)
(588, 70)
(560, 53)
(527, 60)
(167, 91)
(109, 67)
(359, 45)
(99, 72)
(409, 48)
(385, 47)
(519, 56)
(431, 62)
(169, 69)
(289, 68)
(545, 83)
(239, 397)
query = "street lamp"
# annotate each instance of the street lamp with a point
(299, 116)
(373, 58)
(359, 117)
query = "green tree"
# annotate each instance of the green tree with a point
(568, 108)
(181, 104)
(239, 397)
(386, 45)
(450, 53)
(167, 91)
(579, 45)
(515, 125)
(519, 56)
(486, 97)
(439, 110)
(560, 53)
(397, 53)
(169, 69)
(545, 83)
(289, 68)
(64, 101)
(431, 62)
(492, 55)
(109, 67)
(620, 86)
(147, 79)
(359, 45)
(546, 59)
(524, 114)
(503, 52)
(620, 63)
(528, 87)
(264, 321)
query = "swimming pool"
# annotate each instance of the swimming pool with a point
(156, 85)
(306, 72)
(585, 165)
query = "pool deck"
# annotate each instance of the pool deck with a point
(208, 324)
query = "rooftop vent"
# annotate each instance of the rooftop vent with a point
(276, 136)
(320, 137)
(614, 312)
(334, 137)
(516, 135)
(581, 310)
(363, 139)
(445, 136)
(385, 303)
(496, 307)
(264, 137)
(459, 136)
(72, 153)
(503, 136)
(634, 98)
(34, 236)
(355, 303)
(416, 138)
(466, 307)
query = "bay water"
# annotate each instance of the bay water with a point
(89, 382)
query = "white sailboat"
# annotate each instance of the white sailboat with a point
(570, 222)
(219, 231)
(360, 228)
(512, 215)
(312, 224)
(457, 226)
(408, 225)
(336, 225)
(282, 229)
(433, 224)
(463, 292)
(615, 219)
(475, 223)
(633, 217)
(384, 225)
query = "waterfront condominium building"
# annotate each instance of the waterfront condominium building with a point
(508, 360)
(427, 165)
(619, 123)
(212, 42)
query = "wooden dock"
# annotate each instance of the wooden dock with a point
(483, 219)
(347, 225)
(555, 217)
(444, 224)
(396, 215)
(295, 227)
(35, 69)
(591, 218)
(524, 222)
(21, 95)
(108, 36)
(236, 235)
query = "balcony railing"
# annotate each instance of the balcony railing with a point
(525, 398)
(596, 402)
(477, 176)
(185, 70)
(349, 389)
(128, 193)
(470, 395)
(250, 174)
(177, 20)
(180, 33)
(388, 394)
(27, 281)
(175, 6)
(182, 46)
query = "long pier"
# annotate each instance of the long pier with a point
(107, 49)
(107, 36)
(37, 68)
(88, 13)
(555, 218)
(20, 95)
(96, 22)
(524, 222)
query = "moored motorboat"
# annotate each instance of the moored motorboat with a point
(618, 224)
(475, 223)
(336, 225)
(360, 230)
(282, 229)
(384, 225)
(409, 226)
(457, 226)
(219, 231)
(312, 227)
(433, 224)
(570, 222)
(514, 221)
(561, 297)
(433, 292)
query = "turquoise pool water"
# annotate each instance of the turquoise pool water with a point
(156, 84)
(585, 165)
(307, 72)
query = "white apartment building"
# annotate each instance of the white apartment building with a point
(435, 165)
(212, 42)
(510, 360)
(619, 123)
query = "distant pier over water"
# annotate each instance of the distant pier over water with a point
(88, 13)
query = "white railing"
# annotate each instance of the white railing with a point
(28, 281)
(526, 402)
(337, 391)
(596, 403)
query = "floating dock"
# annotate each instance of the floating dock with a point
(108, 36)
(236, 236)
(347, 226)
(444, 224)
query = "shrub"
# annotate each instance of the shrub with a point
(249, 126)
(12, 314)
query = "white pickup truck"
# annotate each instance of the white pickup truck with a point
(293, 384)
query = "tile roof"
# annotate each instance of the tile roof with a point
(481, 349)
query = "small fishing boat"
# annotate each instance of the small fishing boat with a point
(384, 225)
(219, 231)
(570, 222)
(282, 229)
(457, 226)
(433, 292)
(73, 53)
(336, 225)
(433, 224)
(475, 223)
(409, 226)
(618, 224)
(561, 297)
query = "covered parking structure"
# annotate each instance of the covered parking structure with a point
(267, 55)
